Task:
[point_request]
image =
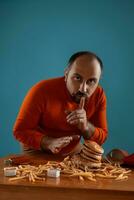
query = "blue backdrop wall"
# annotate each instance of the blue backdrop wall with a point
(38, 36)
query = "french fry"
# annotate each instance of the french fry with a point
(121, 178)
(91, 179)
(81, 178)
(105, 176)
(71, 167)
(82, 174)
(17, 178)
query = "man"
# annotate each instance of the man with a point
(57, 112)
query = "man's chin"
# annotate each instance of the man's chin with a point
(76, 99)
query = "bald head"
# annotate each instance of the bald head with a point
(89, 54)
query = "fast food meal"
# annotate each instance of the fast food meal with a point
(88, 164)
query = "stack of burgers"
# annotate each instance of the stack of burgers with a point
(90, 156)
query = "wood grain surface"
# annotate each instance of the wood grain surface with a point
(64, 188)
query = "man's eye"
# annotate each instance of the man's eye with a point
(77, 78)
(91, 82)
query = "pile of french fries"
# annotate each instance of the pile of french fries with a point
(71, 168)
(33, 173)
(107, 170)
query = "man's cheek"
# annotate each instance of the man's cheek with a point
(73, 90)
(91, 91)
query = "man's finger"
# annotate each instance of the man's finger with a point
(82, 103)
(59, 147)
(65, 144)
(75, 117)
(56, 150)
(66, 139)
(63, 141)
(76, 121)
(76, 112)
(75, 137)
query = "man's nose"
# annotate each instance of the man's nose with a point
(83, 87)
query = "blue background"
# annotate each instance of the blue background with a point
(36, 39)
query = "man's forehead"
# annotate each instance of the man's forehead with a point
(87, 65)
(86, 60)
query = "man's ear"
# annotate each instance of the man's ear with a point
(66, 73)
(101, 76)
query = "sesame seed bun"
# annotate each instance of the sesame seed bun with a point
(94, 147)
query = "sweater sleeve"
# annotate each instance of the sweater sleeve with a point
(26, 125)
(99, 120)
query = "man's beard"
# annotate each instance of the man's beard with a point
(77, 96)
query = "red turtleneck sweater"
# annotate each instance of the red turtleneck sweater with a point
(43, 113)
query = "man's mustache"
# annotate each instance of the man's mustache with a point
(81, 94)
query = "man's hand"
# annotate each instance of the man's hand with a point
(55, 145)
(78, 118)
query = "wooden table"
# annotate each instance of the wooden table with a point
(66, 189)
